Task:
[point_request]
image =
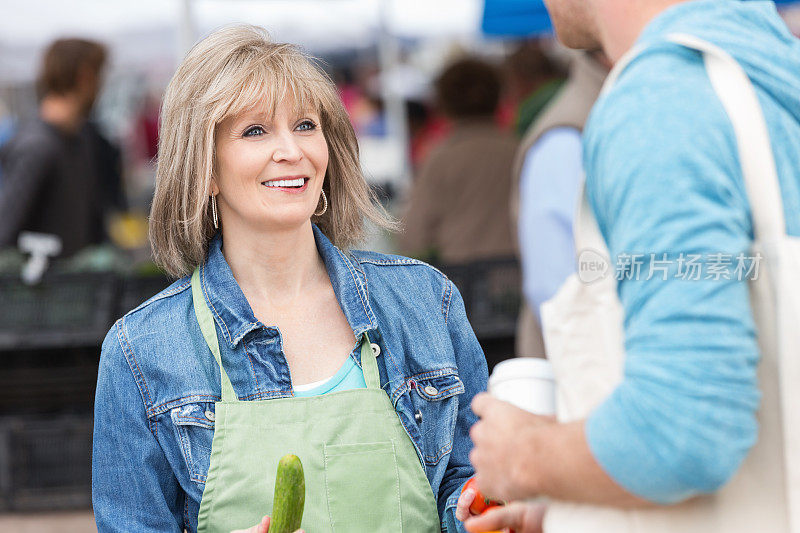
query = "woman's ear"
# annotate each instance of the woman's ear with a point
(214, 187)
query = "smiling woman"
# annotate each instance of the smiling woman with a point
(278, 339)
(237, 92)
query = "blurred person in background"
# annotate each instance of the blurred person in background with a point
(6, 124)
(52, 173)
(533, 79)
(6, 131)
(671, 404)
(458, 204)
(107, 159)
(548, 176)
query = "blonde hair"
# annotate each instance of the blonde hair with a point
(230, 71)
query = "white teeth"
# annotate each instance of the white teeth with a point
(285, 183)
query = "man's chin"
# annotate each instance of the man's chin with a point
(578, 41)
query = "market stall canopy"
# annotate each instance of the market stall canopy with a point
(148, 32)
(524, 18)
(515, 18)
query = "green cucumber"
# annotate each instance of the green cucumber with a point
(290, 496)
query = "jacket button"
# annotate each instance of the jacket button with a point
(431, 390)
(418, 416)
(210, 415)
(375, 349)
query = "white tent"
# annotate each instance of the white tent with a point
(151, 32)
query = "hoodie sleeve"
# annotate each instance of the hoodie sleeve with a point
(665, 184)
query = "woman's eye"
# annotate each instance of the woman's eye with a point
(307, 125)
(253, 131)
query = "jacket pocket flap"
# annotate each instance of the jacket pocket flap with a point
(438, 385)
(194, 414)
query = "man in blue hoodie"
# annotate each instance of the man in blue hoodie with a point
(662, 175)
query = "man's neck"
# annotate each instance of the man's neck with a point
(62, 111)
(621, 22)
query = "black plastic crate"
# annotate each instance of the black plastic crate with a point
(39, 382)
(62, 310)
(492, 292)
(45, 463)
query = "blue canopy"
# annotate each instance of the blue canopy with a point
(515, 18)
(523, 18)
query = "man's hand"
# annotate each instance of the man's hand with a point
(502, 448)
(521, 517)
(261, 527)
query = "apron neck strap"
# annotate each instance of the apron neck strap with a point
(206, 321)
(369, 364)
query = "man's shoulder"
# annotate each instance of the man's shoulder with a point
(469, 140)
(32, 139)
(661, 87)
(662, 103)
(658, 130)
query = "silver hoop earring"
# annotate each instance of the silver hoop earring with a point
(214, 211)
(324, 205)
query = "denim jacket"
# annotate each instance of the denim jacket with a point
(157, 382)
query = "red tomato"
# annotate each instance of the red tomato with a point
(480, 503)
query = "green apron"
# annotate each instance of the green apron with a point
(362, 471)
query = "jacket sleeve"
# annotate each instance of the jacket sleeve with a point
(473, 373)
(25, 171)
(133, 486)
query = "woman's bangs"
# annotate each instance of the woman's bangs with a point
(266, 88)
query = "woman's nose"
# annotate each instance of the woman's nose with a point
(286, 148)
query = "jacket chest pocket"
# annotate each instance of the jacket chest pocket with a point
(194, 427)
(434, 396)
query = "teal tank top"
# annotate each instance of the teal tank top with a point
(348, 377)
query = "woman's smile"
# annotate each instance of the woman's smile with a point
(288, 184)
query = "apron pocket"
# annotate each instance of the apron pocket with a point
(363, 487)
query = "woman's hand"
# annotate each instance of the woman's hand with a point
(463, 503)
(520, 517)
(261, 527)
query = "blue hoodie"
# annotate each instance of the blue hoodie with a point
(663, 177)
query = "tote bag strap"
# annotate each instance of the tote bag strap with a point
(585, 229)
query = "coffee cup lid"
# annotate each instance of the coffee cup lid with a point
(522, 368)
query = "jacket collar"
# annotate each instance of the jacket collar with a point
(234, 315)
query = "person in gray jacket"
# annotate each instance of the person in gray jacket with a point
(50, 175)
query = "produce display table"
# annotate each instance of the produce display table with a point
(50, 337)
(68, 309)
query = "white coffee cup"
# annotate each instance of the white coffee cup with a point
(527, 382)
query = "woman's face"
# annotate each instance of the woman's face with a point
(269, 169)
